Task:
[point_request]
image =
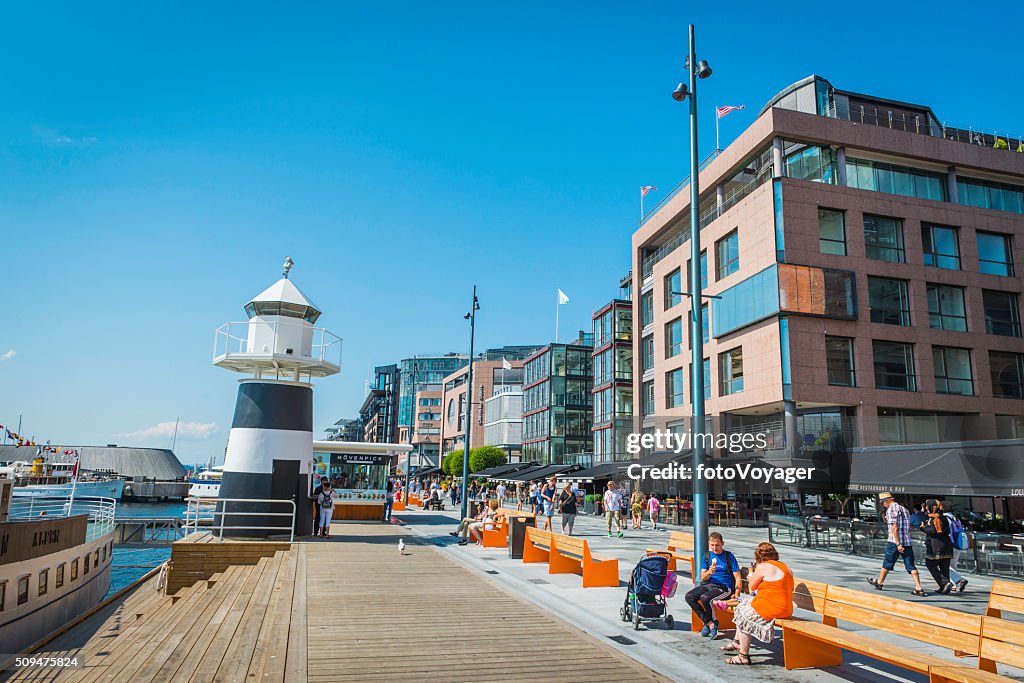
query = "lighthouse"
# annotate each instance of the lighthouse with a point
(270, 445)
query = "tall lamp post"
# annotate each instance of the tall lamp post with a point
(696, 70)
(412, 428)
(471, 317)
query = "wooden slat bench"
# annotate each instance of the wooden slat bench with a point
(569, 555)
(680, 546)
(813, 644)
(1005, 595)
(497, 536)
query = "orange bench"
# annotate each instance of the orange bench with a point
(1005, 595)
(569, 555)
(397, 505)
(680, 547)
(1002, 641)
(497, 536)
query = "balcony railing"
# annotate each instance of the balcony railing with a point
(915, 123)
(101, 511)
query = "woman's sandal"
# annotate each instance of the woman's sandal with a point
(731, 646)
(918, 592)
(876, 583)
(739, 658)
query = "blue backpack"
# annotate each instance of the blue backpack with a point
(957, 534)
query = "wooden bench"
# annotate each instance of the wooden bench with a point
(569, 555)
(680, 546)
(398, 506)
(1005, 595)
(1002, 642)
(497, 536)
(814, 644)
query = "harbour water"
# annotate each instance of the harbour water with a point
(131, 562)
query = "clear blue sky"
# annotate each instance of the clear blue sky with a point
(159, 160)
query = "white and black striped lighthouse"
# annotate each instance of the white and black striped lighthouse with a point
(270, 446)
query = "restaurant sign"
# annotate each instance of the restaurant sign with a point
(359, 459)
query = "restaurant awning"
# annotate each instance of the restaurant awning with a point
(977, 468)
(605, 470)
(427, 472)
(507, 468)
(541, 472)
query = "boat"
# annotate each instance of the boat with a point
(206, 484)
(41, 478)
(55, 562)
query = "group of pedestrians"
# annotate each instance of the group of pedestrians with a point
(945, 539)
(616, 506)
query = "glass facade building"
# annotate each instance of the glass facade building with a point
(557, 403)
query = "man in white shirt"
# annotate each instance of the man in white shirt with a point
(500, 490)
(533, 497)
(612, 503)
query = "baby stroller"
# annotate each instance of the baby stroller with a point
(644, 599)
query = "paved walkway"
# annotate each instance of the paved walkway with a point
(679, 653)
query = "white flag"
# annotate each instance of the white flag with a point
(562, 298)
(505, 365)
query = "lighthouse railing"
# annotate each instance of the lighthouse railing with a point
(209, 513)
(233, 338)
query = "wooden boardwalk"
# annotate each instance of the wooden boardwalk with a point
(349, 609)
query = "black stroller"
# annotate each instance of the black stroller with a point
(644, 601)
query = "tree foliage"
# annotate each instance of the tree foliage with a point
(485, 457)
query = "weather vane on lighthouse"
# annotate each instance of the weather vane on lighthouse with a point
(271, 439)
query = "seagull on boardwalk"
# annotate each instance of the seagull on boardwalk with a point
(401, 546)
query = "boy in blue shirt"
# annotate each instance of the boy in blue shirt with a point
(720, 579)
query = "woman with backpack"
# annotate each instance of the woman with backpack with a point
(938, 546)
(326, 502)
(961, 542)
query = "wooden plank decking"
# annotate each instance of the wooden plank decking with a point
(348, 609)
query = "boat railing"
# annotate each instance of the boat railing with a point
(101, 511)
(221, 514)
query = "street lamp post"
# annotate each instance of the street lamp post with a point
(471, 317)
(412, 427)
(696, 70)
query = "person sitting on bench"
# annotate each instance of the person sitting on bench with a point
(720, 579)
(476, 529)
(464, 524)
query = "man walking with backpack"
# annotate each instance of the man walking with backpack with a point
(720, 579)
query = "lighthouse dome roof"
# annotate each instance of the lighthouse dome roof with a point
(283, 298)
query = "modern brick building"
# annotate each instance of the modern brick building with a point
(867, 258)
(557, 403)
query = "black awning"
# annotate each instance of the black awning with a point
(606, 470)
(541, 472)
(662, 459)
(427, 472)
(979, 468)
(500, 470)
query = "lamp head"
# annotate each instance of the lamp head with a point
(681, 92)
(703, 70)
(467, 316)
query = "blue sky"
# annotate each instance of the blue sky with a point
(158, 161)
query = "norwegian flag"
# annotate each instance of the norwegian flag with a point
(74, 470)
(647, 188)
(722, 111)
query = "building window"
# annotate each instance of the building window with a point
(946, 308)
(894, 366)
(646, 309)
(987, 195)
(74, 569)
(888, 301)
(674, 338)
(727, 251)
(704, 324)
(673, 283)
(649, 397)
(58, 581)
(3, 595)
(839, 360)
(894, 179)
(22, 589)
(953, 371)
(674, 394)
(1002, 315)
(994, 254)
(730, 371)
(1007, 374)
(941, 247)
(648, 357)
(831, 232)
(813, 163)
(85, 564)
(703, 271)
(883, 239)
(44, 581)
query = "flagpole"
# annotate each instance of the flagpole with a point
(641, 205)
(717, 117)
(558, 305)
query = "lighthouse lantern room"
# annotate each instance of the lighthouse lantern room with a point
(270, 444)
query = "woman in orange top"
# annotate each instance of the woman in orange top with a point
(772, 585)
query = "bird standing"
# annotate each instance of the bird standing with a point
(401, 546)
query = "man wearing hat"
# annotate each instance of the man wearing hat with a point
(898, 543)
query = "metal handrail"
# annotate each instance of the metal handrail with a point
(193, 515)
(233, 338)
(100, 511)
